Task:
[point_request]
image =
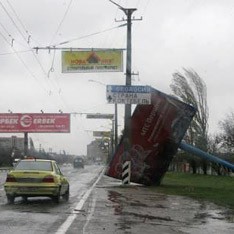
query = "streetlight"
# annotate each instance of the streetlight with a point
(115, 116)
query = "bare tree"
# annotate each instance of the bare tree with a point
(227, 135)
(215, 147)
(190, 88)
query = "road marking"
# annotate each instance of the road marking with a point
(90, 214)
(70, 219)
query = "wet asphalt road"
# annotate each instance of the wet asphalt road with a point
(100, 204)
(136, 209)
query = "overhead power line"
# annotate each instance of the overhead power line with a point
(22, 61)
(9, 53)
(89, 35)
(61, 22)
(45, 73)
(13, 21)
(21, 23)
(51, 86)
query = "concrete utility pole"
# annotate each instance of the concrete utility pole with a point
(127, 118)
(25, 144)
(116, 126)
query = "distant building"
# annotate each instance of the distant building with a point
(95, 152)
(13, 142)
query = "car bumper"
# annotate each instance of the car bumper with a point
(31, 190)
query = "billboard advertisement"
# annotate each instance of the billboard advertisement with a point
(101, 133)
(100, 116)
(92, 61)
(156, 132)
(44, 123)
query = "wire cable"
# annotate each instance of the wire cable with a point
(13, 22)
(89, 35)
(61, 22)
(13, 40)
(32, 51)
(52, 65)
(10, 53)
(21, 23)
(22, 61)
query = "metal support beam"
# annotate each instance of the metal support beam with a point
(193, 150)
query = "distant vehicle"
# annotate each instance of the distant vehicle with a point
(98, 161)
(36, 177)
(15, 161)
(78, 162)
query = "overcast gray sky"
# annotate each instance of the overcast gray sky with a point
(173, 34)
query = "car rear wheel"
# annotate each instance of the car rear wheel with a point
(25, 198)
(66, 195)
(10, 199)
(56, 198)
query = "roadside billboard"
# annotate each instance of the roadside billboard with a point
(100, 116)
(92, 61)
(156, 132)
(40, 123)
(102, 134)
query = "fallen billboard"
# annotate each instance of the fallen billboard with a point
(156, 132)
(44, 123)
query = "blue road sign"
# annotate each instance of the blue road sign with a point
(128, 89)
(128, 94)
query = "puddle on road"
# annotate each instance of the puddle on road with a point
(185, 215)
(115, 198)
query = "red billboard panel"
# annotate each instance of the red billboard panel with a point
(156, 132)
(41, 122)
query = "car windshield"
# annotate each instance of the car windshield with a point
(34, 165)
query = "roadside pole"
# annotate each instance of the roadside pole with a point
(116, 127)
(26, 144)
(127, 118)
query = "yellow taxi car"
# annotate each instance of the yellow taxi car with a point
(36, 177)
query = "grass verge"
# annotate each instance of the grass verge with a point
(216, 189)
